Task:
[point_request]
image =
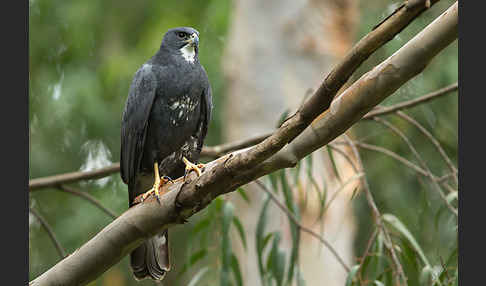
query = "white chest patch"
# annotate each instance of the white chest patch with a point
(188, 53)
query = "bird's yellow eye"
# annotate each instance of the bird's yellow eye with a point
(181, 34)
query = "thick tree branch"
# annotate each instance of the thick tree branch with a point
(225, 174)
(223, 149)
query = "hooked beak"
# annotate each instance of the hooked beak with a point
(193, 40)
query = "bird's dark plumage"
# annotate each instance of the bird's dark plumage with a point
(166, 117)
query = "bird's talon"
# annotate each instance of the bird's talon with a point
(167, 179)
(191, 166)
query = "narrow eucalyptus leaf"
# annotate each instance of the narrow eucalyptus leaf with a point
(198, 276)
(352, 274)
(400, 227)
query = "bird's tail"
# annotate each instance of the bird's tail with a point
(151, 259)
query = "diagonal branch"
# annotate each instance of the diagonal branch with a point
(185, 198)
(89, 198)
(411, 103)
(223, 149)
(49, 231)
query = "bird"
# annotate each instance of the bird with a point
(164, 124)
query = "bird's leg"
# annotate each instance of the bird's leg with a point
(157, 183)
(190, 166)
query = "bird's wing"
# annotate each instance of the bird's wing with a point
(206, 112)
(134, 122)
(208, 104)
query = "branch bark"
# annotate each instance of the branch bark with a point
(225, 174)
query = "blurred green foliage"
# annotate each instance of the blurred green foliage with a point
(82, 56)
(397, 189)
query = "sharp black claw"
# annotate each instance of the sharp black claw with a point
(167, 178)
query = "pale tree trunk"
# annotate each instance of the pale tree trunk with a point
(276, 51)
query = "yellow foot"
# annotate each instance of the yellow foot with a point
(190, 166)
(159, 182)
(156, 188)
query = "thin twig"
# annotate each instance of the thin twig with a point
(398, 158)
(419, 158)
(376, 212)
(49, 231)
(356, 176)
(378, 111)
(301, 227)
(53, 181)
(89, 198)
(433, 140)
(220, 150)
(345, 156)
(367, 251)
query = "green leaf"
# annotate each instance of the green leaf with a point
(241, 230)
(274, 181)
(266, 239)
(352, 273)
(353, 195)
(426, 276)
(217, 204)
(279, 267)
(228, 211)
(373, 262)
(451, 262)
(296, 172)
(235, 266)
(400, 227)
(283, 117)
(198, 276)
(300, 279)
(201, 225)
(309, 165)
(260, 233)
(198, 255)
(276, 260)
(333, 163)
(243, 194)
(294, 230)
(451, 197)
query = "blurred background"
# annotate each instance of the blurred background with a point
(262, 58)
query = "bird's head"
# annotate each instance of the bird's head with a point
(183, 40)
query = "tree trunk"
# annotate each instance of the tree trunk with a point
(277, 52)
